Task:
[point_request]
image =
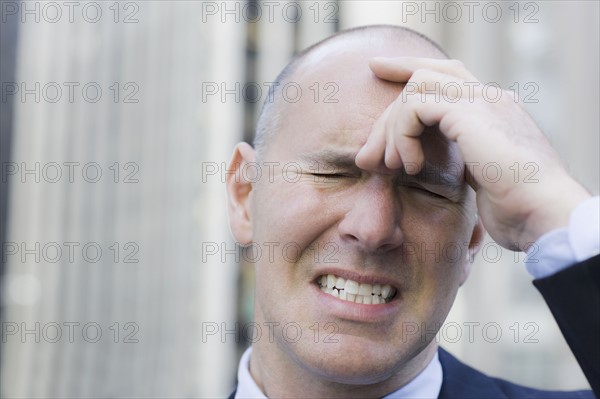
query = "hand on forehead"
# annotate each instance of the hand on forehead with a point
(342, 98)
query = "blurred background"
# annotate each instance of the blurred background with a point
(119, 277)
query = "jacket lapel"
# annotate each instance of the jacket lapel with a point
(462, 381)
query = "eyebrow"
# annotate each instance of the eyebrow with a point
(431, 173)
(331, 159)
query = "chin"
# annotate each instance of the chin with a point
(354, 360)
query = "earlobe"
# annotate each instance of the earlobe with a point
(239, 194)
(477, 236)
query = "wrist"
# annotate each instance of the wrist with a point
(554, 211)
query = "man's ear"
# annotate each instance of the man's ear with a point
(477, 236)
(239, 194)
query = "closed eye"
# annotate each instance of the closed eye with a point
(424, 191)
(339, 178)
(331, 175)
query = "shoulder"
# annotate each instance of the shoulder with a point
(462, 381)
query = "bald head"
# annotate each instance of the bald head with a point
(332, 54)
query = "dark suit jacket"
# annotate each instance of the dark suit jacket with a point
(573, 296)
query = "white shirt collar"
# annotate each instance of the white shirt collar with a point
(425, 385)
(247, 387)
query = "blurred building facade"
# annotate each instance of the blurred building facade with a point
(120, 277)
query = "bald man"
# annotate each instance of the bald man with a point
(358, 185)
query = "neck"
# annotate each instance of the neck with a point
(279, 375)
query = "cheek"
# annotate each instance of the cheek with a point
(436, 243)
(436, 226)
(288, 218)
(291, 214)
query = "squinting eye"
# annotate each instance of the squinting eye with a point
(330, 175)
(424, 191)
(327, 177)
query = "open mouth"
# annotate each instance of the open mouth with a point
(352, 291)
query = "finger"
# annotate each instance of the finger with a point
(430, 104)
(406, 128)
(470, 180)
(400, 69)
(408, 120)
(372, 153)
(443, 86)
(392, 157)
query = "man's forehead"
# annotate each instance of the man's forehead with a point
(341, 97)
(337, 75)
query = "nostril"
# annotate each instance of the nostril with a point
(387, 247)
(373, 221)
(351, 237)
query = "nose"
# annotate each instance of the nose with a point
(373, 222)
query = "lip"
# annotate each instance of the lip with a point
(352, 311)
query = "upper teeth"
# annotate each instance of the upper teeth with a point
(350, 290)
